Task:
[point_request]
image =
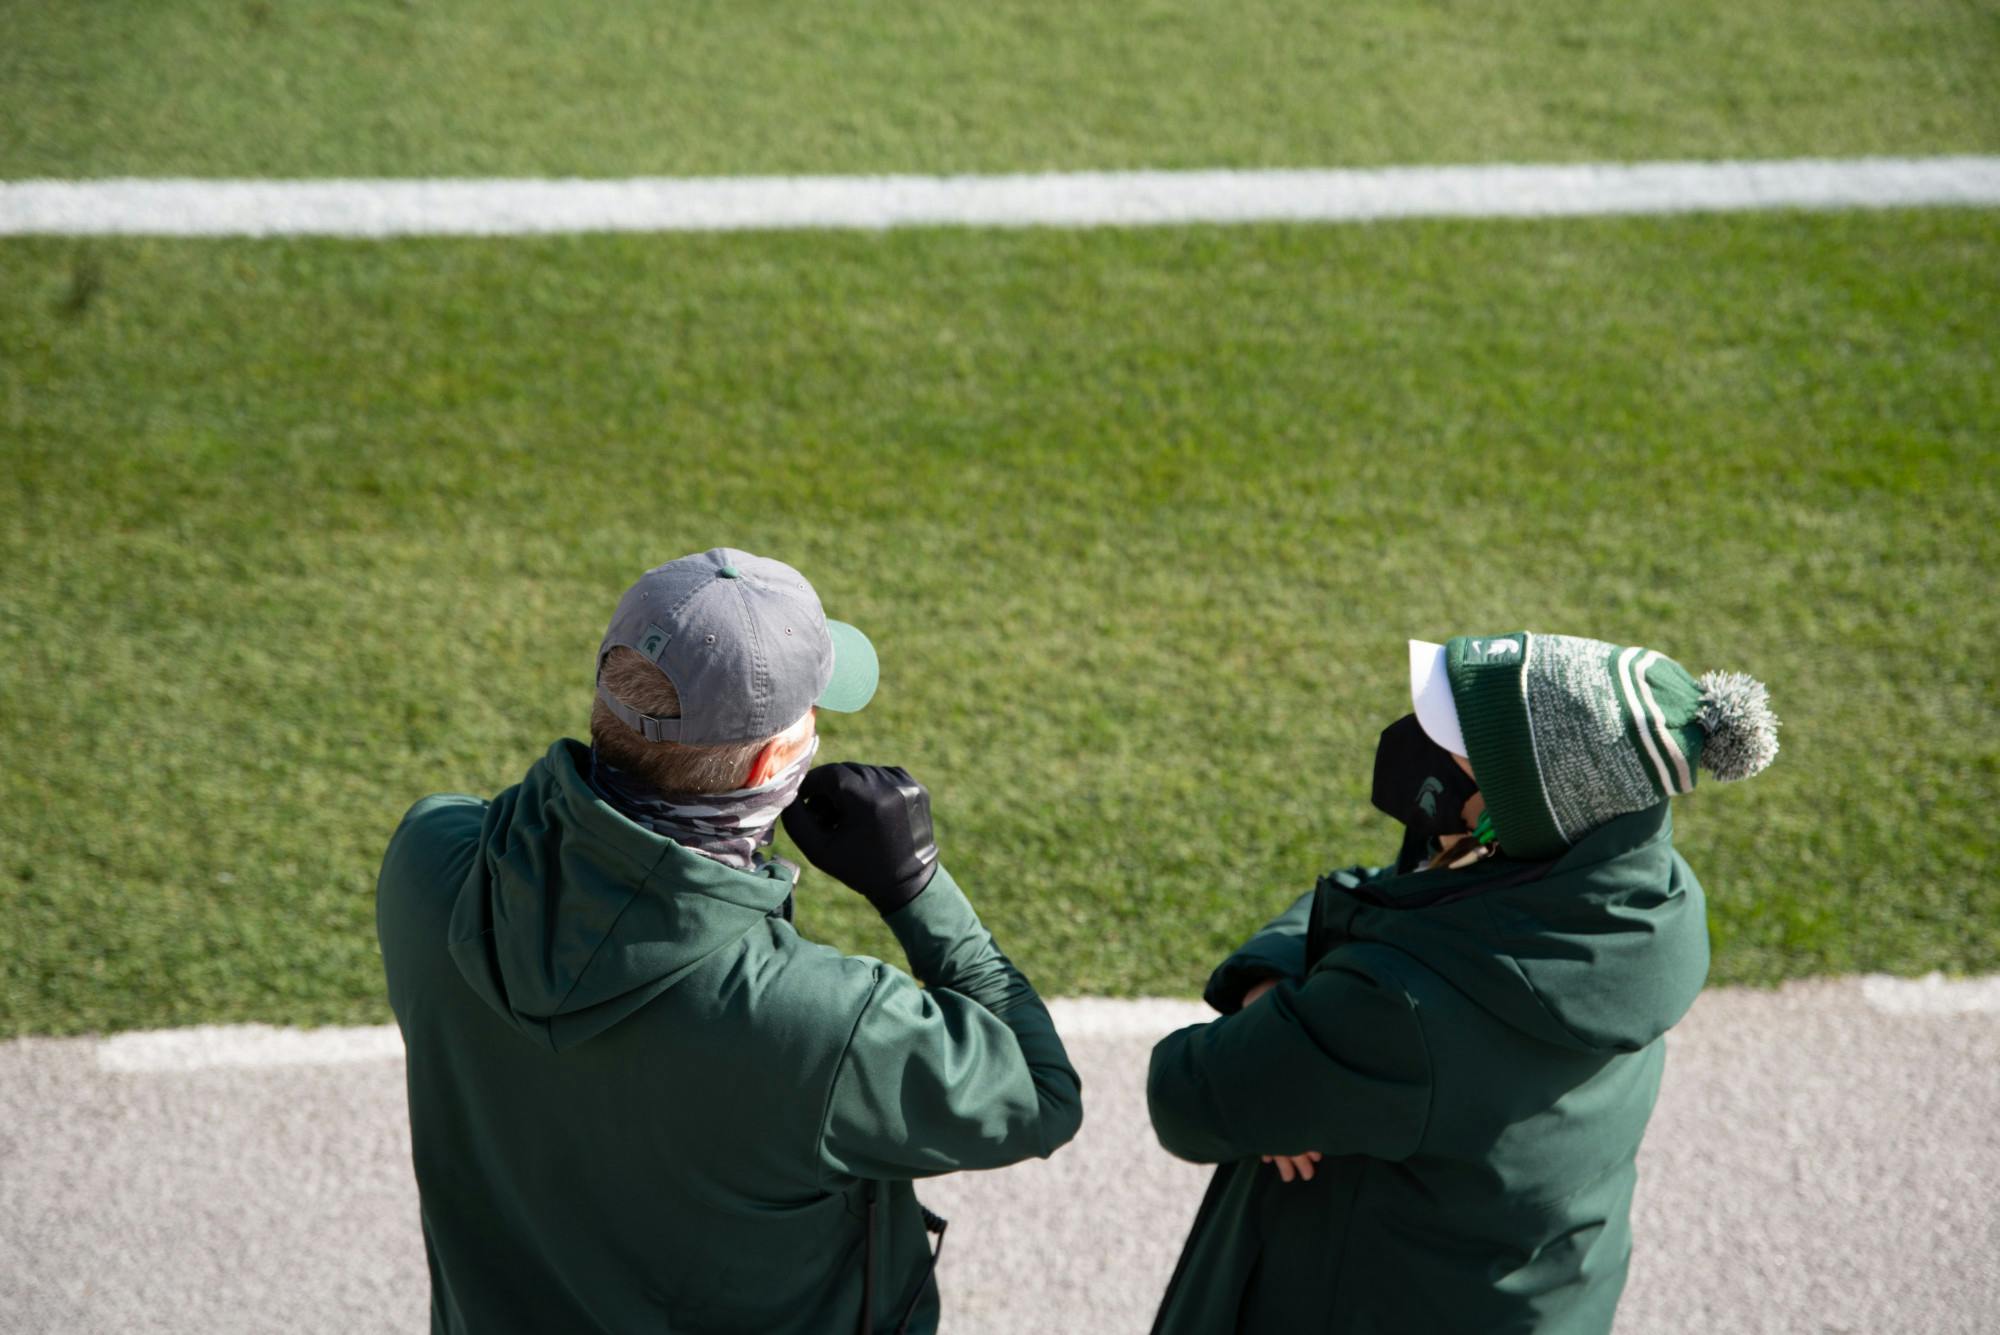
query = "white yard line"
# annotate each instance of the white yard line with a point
(467, 207)
(215, 1047)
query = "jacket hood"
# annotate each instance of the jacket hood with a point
(572, 917)
(1602, 950)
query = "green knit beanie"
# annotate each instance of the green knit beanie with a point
(1566, 733)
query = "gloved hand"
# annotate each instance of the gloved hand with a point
(868, 826)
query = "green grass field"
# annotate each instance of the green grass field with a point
(298, 532)
(594, 87)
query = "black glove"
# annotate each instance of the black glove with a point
(868, 826)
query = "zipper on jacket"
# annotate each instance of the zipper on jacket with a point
(868, 1267)
(933, 1223)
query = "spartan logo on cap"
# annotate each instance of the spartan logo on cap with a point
(653, 641)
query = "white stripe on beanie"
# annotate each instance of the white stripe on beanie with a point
(1660, 722)
(1639, 716)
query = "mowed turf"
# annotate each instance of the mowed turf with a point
(297, 532)
(597, 87)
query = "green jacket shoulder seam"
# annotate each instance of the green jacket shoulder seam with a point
(833, 1080)
(1430, 1073)
(1416, 1008)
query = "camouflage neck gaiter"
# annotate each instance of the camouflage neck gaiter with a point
(733, 828)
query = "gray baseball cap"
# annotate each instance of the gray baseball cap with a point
(745, 643)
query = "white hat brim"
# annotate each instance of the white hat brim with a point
(1430, 694)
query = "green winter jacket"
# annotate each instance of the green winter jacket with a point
(1476, 1052)
(641, 1101)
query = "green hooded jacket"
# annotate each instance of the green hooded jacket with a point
(641, 1101)
(1476, 1053)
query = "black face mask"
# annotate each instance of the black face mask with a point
(1418, 782)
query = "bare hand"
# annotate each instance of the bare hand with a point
(1257, 990)
(1295, 1165)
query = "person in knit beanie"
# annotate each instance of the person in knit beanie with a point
(1567, 733)
(1427, 1090)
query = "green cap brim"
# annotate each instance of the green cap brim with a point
(855, 670)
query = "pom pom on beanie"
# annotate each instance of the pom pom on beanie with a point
(1742, 732)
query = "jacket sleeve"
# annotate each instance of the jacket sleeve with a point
(1278, 950)
(422, 868)
(965, 1072)
(1336, 1063)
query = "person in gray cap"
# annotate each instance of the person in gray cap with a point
(640, 1099)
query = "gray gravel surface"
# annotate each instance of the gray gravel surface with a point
(1817, 1164)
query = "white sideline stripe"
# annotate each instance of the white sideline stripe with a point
(473, 207)
(1115, 1017)
(215, 1046)
(210, 1047)
(1933, 994)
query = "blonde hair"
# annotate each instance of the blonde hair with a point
(670, 767)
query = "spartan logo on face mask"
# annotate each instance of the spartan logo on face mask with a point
(1418, 782)
(1427, 797)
